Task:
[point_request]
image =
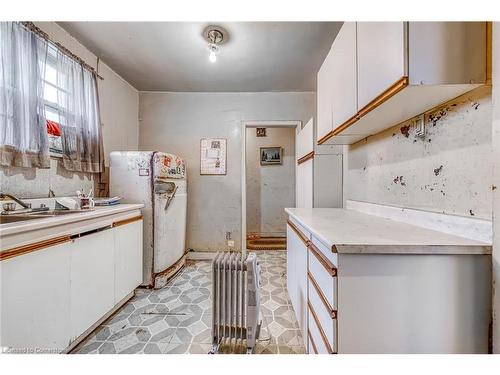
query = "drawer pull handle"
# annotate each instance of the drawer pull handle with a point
(332, 270)
(331, 311)
(312, 342)
(322, 333)
(298, 233)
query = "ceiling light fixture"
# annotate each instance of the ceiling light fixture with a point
(215, 36)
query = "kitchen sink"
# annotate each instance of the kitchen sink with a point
(12, 218)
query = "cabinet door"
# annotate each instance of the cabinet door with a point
(343, 90)
(92, 279)
(291, 281)
(35, 293)
(297, 277)
(128, 258)
(381, 58)
(323, 98)
(301, 272)
(304, 175)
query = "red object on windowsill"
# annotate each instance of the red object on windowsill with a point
(53, 128)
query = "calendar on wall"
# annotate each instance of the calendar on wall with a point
(213, 156)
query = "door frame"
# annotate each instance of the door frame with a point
(256, 124)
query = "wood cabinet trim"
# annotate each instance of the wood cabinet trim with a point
(315, 349)
(331, 311)
(298, 232)
(25, 249)
(377, 101)
(320, 328)
(305, 158)
(127, 221)
(381, 98)
(325, 262)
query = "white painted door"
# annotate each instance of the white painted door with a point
(35, 299)
(92, 280)
(381, 58)
(343, 88)
(128, 258)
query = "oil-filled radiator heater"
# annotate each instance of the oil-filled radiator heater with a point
(236, 300)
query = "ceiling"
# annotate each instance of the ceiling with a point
(173, 56)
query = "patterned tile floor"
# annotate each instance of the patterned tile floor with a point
(176, 319)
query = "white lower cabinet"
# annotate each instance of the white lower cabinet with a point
(92, 280)
(312, 286)
(128, 254)
(35, 300)
(52, 295)
(297, 275)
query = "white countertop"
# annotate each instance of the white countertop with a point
(356, 232)
(52, 221)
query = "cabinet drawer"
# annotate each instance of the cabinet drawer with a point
(319, 342)
(323, 312)
(303, 231)
(331, 254)
(311, 346)
(324, 274)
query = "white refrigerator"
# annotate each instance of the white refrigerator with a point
(159, 181)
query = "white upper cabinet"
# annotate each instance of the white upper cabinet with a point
(343, 70)
(381, 58)
(379, 74)
(336, 83)
(323, 97)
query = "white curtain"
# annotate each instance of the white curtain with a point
(79, 118)
(23, 132)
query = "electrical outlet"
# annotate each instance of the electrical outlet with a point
(230, 243)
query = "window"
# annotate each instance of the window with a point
(51, 92)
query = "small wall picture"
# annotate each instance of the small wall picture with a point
(213, 156)
(271, 155)
(261, 132)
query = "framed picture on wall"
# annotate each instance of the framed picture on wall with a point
(213, 156)
(271, 155)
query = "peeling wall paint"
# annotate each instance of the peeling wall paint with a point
(448, 171)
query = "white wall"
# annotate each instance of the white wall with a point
(449, 171)
(270, 188)
(119, 105)
(496, 183)
(175, 122)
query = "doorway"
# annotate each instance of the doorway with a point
(268, 182)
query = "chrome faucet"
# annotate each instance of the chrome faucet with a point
(17, 200)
